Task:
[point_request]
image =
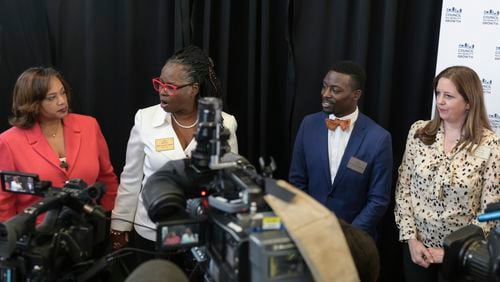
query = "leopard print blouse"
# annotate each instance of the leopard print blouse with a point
(437, 193)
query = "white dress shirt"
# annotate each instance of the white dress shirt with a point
(146, 153)
(337, 142)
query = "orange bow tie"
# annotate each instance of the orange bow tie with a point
(332, 124)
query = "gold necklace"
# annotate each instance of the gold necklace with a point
(53, 135)
(50, 135)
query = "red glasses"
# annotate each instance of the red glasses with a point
(168, 88)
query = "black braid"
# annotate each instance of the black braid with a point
(199, 68)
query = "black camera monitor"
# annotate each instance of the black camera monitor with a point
(18, 182)
(174, 235)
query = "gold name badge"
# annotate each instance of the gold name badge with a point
(164, 144)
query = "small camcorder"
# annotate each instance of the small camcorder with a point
(57, 248)
(23, 183)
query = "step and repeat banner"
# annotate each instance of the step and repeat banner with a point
(470, 36)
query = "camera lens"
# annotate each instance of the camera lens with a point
(476, 260)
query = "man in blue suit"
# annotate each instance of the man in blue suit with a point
(341, 157)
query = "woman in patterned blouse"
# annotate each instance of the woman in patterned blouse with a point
(449, 172)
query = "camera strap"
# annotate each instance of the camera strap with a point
(309, 222)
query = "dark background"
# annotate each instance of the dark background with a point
(271, 57)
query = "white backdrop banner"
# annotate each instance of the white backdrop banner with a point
(470, 36)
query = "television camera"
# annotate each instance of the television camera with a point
(469, 256)
(213, 204)
(59, 247)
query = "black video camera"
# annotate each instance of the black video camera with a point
(469, 256)
(57, 248)
(213, 204)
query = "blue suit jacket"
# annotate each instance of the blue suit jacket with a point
(359, 198)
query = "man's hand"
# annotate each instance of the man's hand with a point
(420, 255)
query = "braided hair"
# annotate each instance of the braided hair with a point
(199, 69)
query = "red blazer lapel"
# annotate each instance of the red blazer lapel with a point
(72, 141)
(40, 145)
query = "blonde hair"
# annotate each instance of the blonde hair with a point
(470, 88)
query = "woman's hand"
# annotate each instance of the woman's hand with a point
(118, 239)
(419, 253)
(437, 254)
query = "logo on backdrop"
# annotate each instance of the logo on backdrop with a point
(497, 53)
(486, 86)
(465, 51)
(453, 15)
(490, 17)
(495, 122)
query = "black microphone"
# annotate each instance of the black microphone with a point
(64, 165)
(157, 270)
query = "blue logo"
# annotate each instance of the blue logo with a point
(486, 86)
(465, 51)
(466, 45)
(495, 122)
(490, 17)
(453, 15)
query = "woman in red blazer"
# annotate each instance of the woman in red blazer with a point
(48, 140)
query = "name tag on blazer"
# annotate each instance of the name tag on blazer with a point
(483, 152)
(164, 144)
(357, 165)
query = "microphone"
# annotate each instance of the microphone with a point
(489, 216)
(157, 270)
(64, 165)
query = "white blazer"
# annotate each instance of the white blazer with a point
(151, 144)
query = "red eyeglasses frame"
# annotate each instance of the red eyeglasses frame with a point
(169, 88)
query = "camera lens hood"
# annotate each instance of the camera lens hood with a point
(163, 195)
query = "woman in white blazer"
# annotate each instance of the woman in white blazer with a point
(162, 133)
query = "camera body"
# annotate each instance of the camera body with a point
(217, 197)
(71, 228)
(239, 245)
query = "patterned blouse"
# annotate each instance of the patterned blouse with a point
(437, 193)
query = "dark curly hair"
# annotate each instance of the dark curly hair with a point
(355, 71)
(30, 90)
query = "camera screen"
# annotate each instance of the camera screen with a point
(179, 235)
(7, 274)
(18, 182)
(286, 265)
